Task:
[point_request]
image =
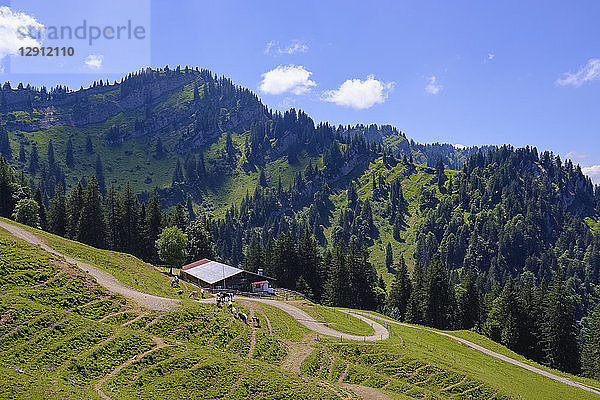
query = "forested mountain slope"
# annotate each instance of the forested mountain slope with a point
(494, 239)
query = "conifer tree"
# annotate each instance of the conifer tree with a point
(179, 218)
(229, 148)
(22, 155)
(560, 331)
(70, 158)
(400, 291)
(389, 257)
(5, 149)
(336, 286)
(129, 213)
(89, 147)
(438, 295)
(74, 207)
(468, 305)
(591, 351)
(178, 176)
(50, 156)
(262, 178)
(309, 264)
(113, 218)
(100, 176)
(92, 224)
(154, 219)
(39, 198)
(57, 213)
(159, 150)
(34, 160)
(439, 173)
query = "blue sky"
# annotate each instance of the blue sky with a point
(463, 72)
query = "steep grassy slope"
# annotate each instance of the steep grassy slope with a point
(62, 336)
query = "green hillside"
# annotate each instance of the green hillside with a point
(63, 336)
(498, 240)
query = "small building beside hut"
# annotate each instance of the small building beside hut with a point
(215, 275)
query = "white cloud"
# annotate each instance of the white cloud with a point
(14, 28)
(491, 56)
(287, 78)
(359, 94)
(575, 155)
(433, 87)
(274, 49)
(94, 61)
(589, 72)
(460, 146)
(593, 172)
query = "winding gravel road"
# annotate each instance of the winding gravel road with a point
(103, 278)
(488, 352)
(164, 304)
(159, 303)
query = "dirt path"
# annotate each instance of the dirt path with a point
(301, 316)
(490, 353)
(366, 392)
(162, 303)
(296, 354)
(98, 386)
(103, 278)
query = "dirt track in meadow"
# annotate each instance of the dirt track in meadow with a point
(158, 303)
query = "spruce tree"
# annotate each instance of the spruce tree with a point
(562, 351)
(389, 257)
(39, 198)
(70, 158)
(336, 286)
(22, 154)
(309, 263)
(129, 213)
(469, 302)
(100, 176)
(159, 150)
(89, 147)
(57, 213)
(400, 292)
(50, 156)
(179, 218)
(438, 295)
(92, 223)
(74, 207)
(439, 173)
(34, 160)
(5, 149)
(591, 351)
(262, 179)
(113, 218)
(229, 148)
(154, 219)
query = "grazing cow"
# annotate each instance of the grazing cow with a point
(230, 304)
(193, 294)
(180, 292)
(202, 292)
(243, 317)
(233, 311)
